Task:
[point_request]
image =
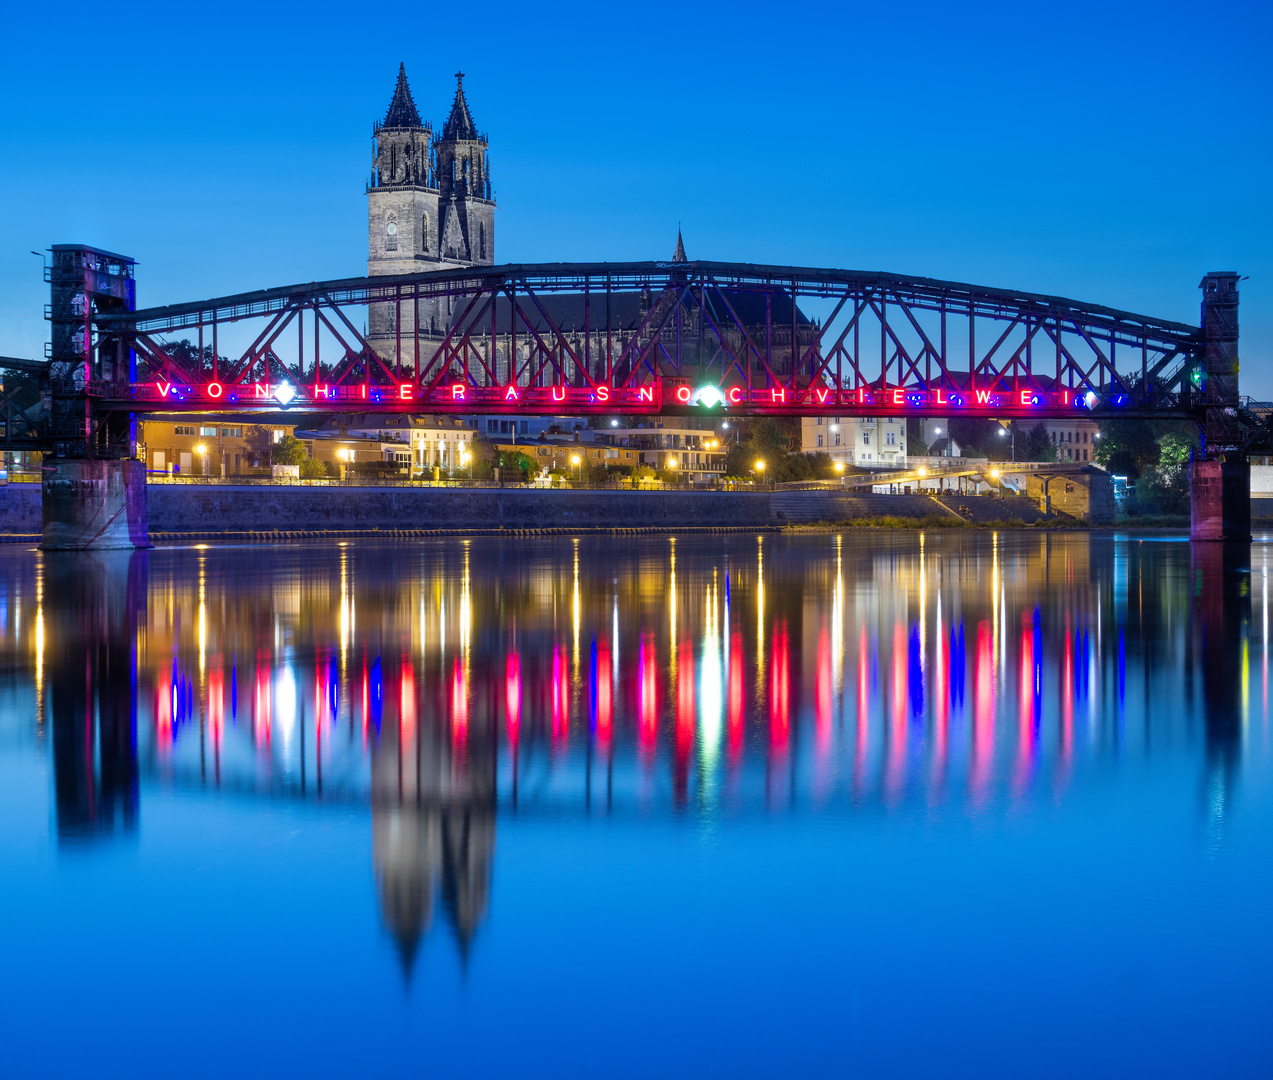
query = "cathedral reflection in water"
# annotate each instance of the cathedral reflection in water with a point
(445, 683)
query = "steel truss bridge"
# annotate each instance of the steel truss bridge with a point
(625, 338)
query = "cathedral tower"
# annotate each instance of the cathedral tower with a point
(467, 226)
(429, 207)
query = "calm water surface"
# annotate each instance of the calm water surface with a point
(917, 805)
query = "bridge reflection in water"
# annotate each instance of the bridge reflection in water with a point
(445, 684)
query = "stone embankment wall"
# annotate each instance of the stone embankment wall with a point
(181, 508)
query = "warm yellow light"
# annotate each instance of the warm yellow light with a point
(994, 474)
(464, 457)
(201, 449)
(574, 460)
(760, 466)
(671, 463)
(923, 472)
(839, 466)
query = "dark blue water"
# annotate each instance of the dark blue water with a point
(916, 805)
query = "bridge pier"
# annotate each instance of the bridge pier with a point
(94, 504)
(1220, 499)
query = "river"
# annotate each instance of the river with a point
(871, 804)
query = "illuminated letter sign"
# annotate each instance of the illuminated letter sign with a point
(646, 393)
(899, 396)
(1027, 397)
(215, 390)
(983, 397)
(778, 395)
(322, 390)
(603, 393)
(559, 396)
(510, 394)
(735, 395)
(683, 394)
(457, 391)
(262, 389)
(164, 388)
(822, 396)
(938, 398)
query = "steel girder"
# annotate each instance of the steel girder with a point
(646, 337)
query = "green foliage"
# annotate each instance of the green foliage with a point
(312, 469)
(915, 444)
(289, 450)
(1155, 454)
(514, 462)
(1033, 443)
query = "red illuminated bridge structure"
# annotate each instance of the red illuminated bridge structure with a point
(624, 338)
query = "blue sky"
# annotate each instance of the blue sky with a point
(1109, 152)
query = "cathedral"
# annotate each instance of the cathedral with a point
(429, 207)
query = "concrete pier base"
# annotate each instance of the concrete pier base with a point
(1220, 500)
(94, 505)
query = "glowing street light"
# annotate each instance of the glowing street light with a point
(574, 460)
(994, 474)
(466, 459)
(923, 472)
(614, 423)
(839, 466)
(202, 451)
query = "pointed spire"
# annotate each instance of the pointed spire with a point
(679, 254)
(459, 125)
(402, 111)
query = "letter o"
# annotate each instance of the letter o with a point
(215, 389)
(683, 394)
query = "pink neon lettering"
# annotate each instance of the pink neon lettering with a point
(983, 397)
(559, 393)
(164, 388)
(262, 389)
(646, 393)
(510, 394)
(457, 391)
(363, 388)
(778, 395)
(735, 395)
(1027, 397)
(822, 396)
(603, 393)
(322, 390)
(899, 396)
(939, 399)
(215, 390)
(683, 394)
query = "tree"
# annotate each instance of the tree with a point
(289, 450)
(915, 444)
(514, 461)
(1033, 443)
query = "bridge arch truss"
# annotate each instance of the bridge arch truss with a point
(649, 337)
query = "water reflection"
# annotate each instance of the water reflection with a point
(446, 684)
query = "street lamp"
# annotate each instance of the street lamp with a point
(760, 468)
(574, 460)
(466, 459)
(202, 451)
(839, 466)
(614, 423)
(1003, 431)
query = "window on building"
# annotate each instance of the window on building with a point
(232, 432)
(817, 420)
(481, 240)
(278, 434)
(1085, 436)
(424, 233)
(866, 438)
(837, 438)
(184, 429)
(819, 438)
(890, 437)
(207, 433)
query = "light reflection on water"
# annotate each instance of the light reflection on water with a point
(456, 687)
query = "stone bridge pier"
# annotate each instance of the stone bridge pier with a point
(94, 504)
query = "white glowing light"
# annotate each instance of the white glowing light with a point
(284, 393)
(708, 396)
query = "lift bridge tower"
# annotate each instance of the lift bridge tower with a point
(94, 488)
